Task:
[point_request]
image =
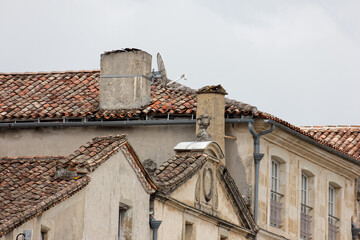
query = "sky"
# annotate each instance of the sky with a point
(297, 60)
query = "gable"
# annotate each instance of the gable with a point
(212, 191)
(190, 193)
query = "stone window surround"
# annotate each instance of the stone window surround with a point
(307, 203)
(189, 220)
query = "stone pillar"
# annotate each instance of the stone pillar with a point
(122, 81)
(211, 101)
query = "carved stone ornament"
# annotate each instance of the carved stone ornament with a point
(208, 183)
(203, 122)
(150, 166)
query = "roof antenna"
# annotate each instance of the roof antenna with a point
(161, 73)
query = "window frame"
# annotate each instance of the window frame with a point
(332, 205)
(304, 193)
(276, 204)
(333, 220)
(275, 180)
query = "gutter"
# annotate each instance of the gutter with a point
(101, 123)
(85, 123)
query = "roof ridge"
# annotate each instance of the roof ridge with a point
(49, 72)
(109, 137)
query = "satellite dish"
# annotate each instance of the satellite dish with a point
(161, 73)
(161, 69)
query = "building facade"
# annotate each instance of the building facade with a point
(296, 183)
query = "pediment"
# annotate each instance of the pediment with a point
(212, 191)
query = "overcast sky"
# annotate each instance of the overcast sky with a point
(298, 60)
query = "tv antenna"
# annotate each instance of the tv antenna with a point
(161, 73)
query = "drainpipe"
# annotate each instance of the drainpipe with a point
(154, 224)
(257, 157)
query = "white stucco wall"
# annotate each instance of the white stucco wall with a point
(115, 182)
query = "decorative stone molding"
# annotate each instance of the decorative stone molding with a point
(203, 122)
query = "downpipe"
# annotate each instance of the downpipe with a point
(154, 224)
(257, 158)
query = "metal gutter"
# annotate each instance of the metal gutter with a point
(96, 123)
(312, 141)
(102, 123)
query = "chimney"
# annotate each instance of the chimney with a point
(122, 79)
(211, 103)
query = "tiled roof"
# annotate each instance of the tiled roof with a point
(76, 94)
(53, 95)
(345, 138)
(48, 95)
(177, 170)
(28, 186)
(89, 156)
(308, 134)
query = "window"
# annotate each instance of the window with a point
(223, 233)
(274, 180)
(275, 204)
(43, 235)
(124, 222)
(305, 221)
(44, 232)
(333, 229)
(189, 231)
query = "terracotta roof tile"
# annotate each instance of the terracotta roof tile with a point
(28, 186)
(89, 156)
(48, 95)
(345, 138)
(177, 170)
(76, 94)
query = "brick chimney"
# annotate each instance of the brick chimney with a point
(211, 102)
(122, 81)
